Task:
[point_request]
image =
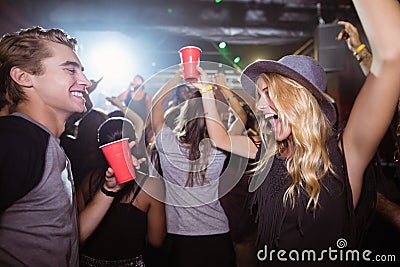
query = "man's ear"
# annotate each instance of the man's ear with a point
(21, 77)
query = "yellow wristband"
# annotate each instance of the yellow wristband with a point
(206, 89)
(358, 49)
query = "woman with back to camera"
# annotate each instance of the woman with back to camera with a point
(197, 227)
(130, 216)
(308, 198)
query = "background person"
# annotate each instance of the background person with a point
(197, 226)
(235, 202)
(137, 100)
(127, 217)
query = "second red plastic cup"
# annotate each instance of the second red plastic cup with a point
(118, 155)
(190, 57)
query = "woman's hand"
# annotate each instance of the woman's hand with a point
(203, 80)
(350, 35)
(110, 183)
(203, 75)
(115, 101)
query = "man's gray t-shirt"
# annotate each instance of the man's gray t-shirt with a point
(40, 227)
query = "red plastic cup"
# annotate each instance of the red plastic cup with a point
(119, 158)
(190, 56)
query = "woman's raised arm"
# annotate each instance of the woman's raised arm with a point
(376, 102)
(237, 144)
(157, 111)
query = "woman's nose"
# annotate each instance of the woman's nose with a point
(261, 105)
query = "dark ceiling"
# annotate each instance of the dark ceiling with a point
(247, 26)
(252, 29)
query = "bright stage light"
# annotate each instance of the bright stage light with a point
(222, 45)
(111, 60)
(112, 55)
(236, 60)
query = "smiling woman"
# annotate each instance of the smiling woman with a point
(314, 185)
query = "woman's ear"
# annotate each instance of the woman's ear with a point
(21, 77)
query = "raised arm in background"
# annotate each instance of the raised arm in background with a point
(133, 116)
(360, 50)
(157, 110)
(238, 125)
(243, 145)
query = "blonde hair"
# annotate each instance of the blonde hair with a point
(310, 130)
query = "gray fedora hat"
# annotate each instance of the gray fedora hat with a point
(303, 69)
